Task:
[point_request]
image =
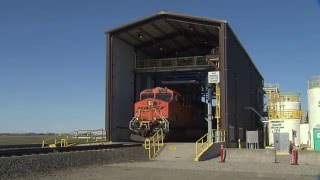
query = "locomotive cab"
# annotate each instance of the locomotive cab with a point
(163, 96)
(146, 94)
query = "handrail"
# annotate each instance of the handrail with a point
(270, 86)
(76, 137)
(214, 136)
(285, 114)
(154, 144)
(180, 62)
(314, 82)
(289, 97)
(131, 123)
(166, 122)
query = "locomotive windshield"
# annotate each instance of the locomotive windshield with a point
(163, 96)
(145, 96)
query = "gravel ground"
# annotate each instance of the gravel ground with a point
(31, 166)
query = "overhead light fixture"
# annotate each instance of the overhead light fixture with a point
(160, 48)
(180, 82)
(191, 28)
(140, 36)
(206, 42)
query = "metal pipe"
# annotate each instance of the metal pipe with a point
(264, 121)
(255, 111)
(209, 112)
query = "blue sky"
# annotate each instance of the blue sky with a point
(52, 53)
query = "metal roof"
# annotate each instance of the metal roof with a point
(167, 34)
(161, 13)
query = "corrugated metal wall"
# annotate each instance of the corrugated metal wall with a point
(122, 87)
(242, 91)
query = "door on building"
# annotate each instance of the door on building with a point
(316, 137)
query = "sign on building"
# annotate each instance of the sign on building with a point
(213, 77)
(276, 125)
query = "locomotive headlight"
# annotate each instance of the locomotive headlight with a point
(149, 103)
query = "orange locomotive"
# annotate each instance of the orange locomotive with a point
(156, 108)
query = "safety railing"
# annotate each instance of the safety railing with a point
(268, 87)
(285, 114)
(289, 97)
(273, 91)
(214, 136)
(314, 82)
(154, 144)
(192, 62)
(75, 138)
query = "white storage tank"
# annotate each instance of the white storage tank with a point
(313, 105)
(286, 118)
(304, 134)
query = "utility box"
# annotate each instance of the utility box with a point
(281, 142)
(252, 139)
(316, 138)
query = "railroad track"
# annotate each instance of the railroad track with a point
(20, 146)
(7, 152)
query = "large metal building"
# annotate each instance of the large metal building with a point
(169, 48)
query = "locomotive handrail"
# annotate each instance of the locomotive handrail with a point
(214, 136)
(154, 144)
(166, 122)
(130, 123)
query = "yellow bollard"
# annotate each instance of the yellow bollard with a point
(239, 143)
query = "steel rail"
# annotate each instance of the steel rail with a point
(39, 150)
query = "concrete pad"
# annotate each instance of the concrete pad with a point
(154, 173)
(177, 152)
(212, 152)
(250, 155)
(308, 157)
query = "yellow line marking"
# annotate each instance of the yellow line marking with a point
(282, 153)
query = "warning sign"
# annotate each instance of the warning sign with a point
(213, 77)
(277, 124)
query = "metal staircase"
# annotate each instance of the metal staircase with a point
(204, 143)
